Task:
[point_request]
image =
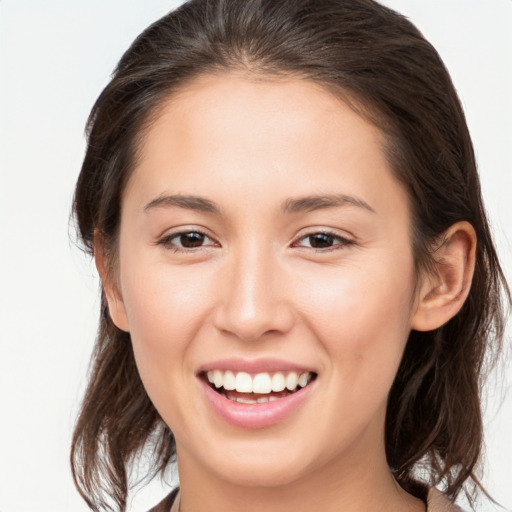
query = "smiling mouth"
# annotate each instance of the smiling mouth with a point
(242, 387)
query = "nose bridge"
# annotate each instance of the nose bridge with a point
(252, 301)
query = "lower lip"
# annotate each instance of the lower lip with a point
(255, 415)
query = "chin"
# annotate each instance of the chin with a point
(265, 463)
(260, 473)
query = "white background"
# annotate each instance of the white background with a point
(55, 57)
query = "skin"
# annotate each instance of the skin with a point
(255, 287)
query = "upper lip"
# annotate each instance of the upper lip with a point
(254, 366)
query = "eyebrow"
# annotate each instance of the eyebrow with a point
(189, 202)
(291, 205)
(317, 202)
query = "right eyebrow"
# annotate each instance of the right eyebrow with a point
(189, 202)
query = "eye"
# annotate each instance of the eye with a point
(323, 241)
(186, 240)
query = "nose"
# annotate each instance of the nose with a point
(253, 298)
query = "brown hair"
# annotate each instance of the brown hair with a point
(357, 49)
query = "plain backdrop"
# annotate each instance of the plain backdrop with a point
(55, 58)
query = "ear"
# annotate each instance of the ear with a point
(443, 292)
(109, 283)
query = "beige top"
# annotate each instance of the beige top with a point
(436, 502)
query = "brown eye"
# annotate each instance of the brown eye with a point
(321, 240)
(186, 240)
(326, 241)
(191, 239)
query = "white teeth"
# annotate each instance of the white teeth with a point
(278, 382)
(303, 379)
(229, 381)
(243, 382)
(262, 400)
(291, 381)
(261, 383)
(218, 378)
(245, 400)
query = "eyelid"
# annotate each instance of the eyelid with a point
(343, 240)
(165, 240)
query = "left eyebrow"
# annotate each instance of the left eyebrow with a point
(317, 202)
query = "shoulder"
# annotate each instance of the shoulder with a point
(166, 504)
(438, 502)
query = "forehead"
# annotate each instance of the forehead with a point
(228, 134)
(275, 108)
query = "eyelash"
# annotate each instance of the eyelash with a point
(168, 244)
(342, 241)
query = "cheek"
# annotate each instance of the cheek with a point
(362, 318)
(166, 307)
(162, 299)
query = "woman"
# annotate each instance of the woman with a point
(299, 283)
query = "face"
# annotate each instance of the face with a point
(265, 244)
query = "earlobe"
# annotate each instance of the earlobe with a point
(116, 308)
(443, 292)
